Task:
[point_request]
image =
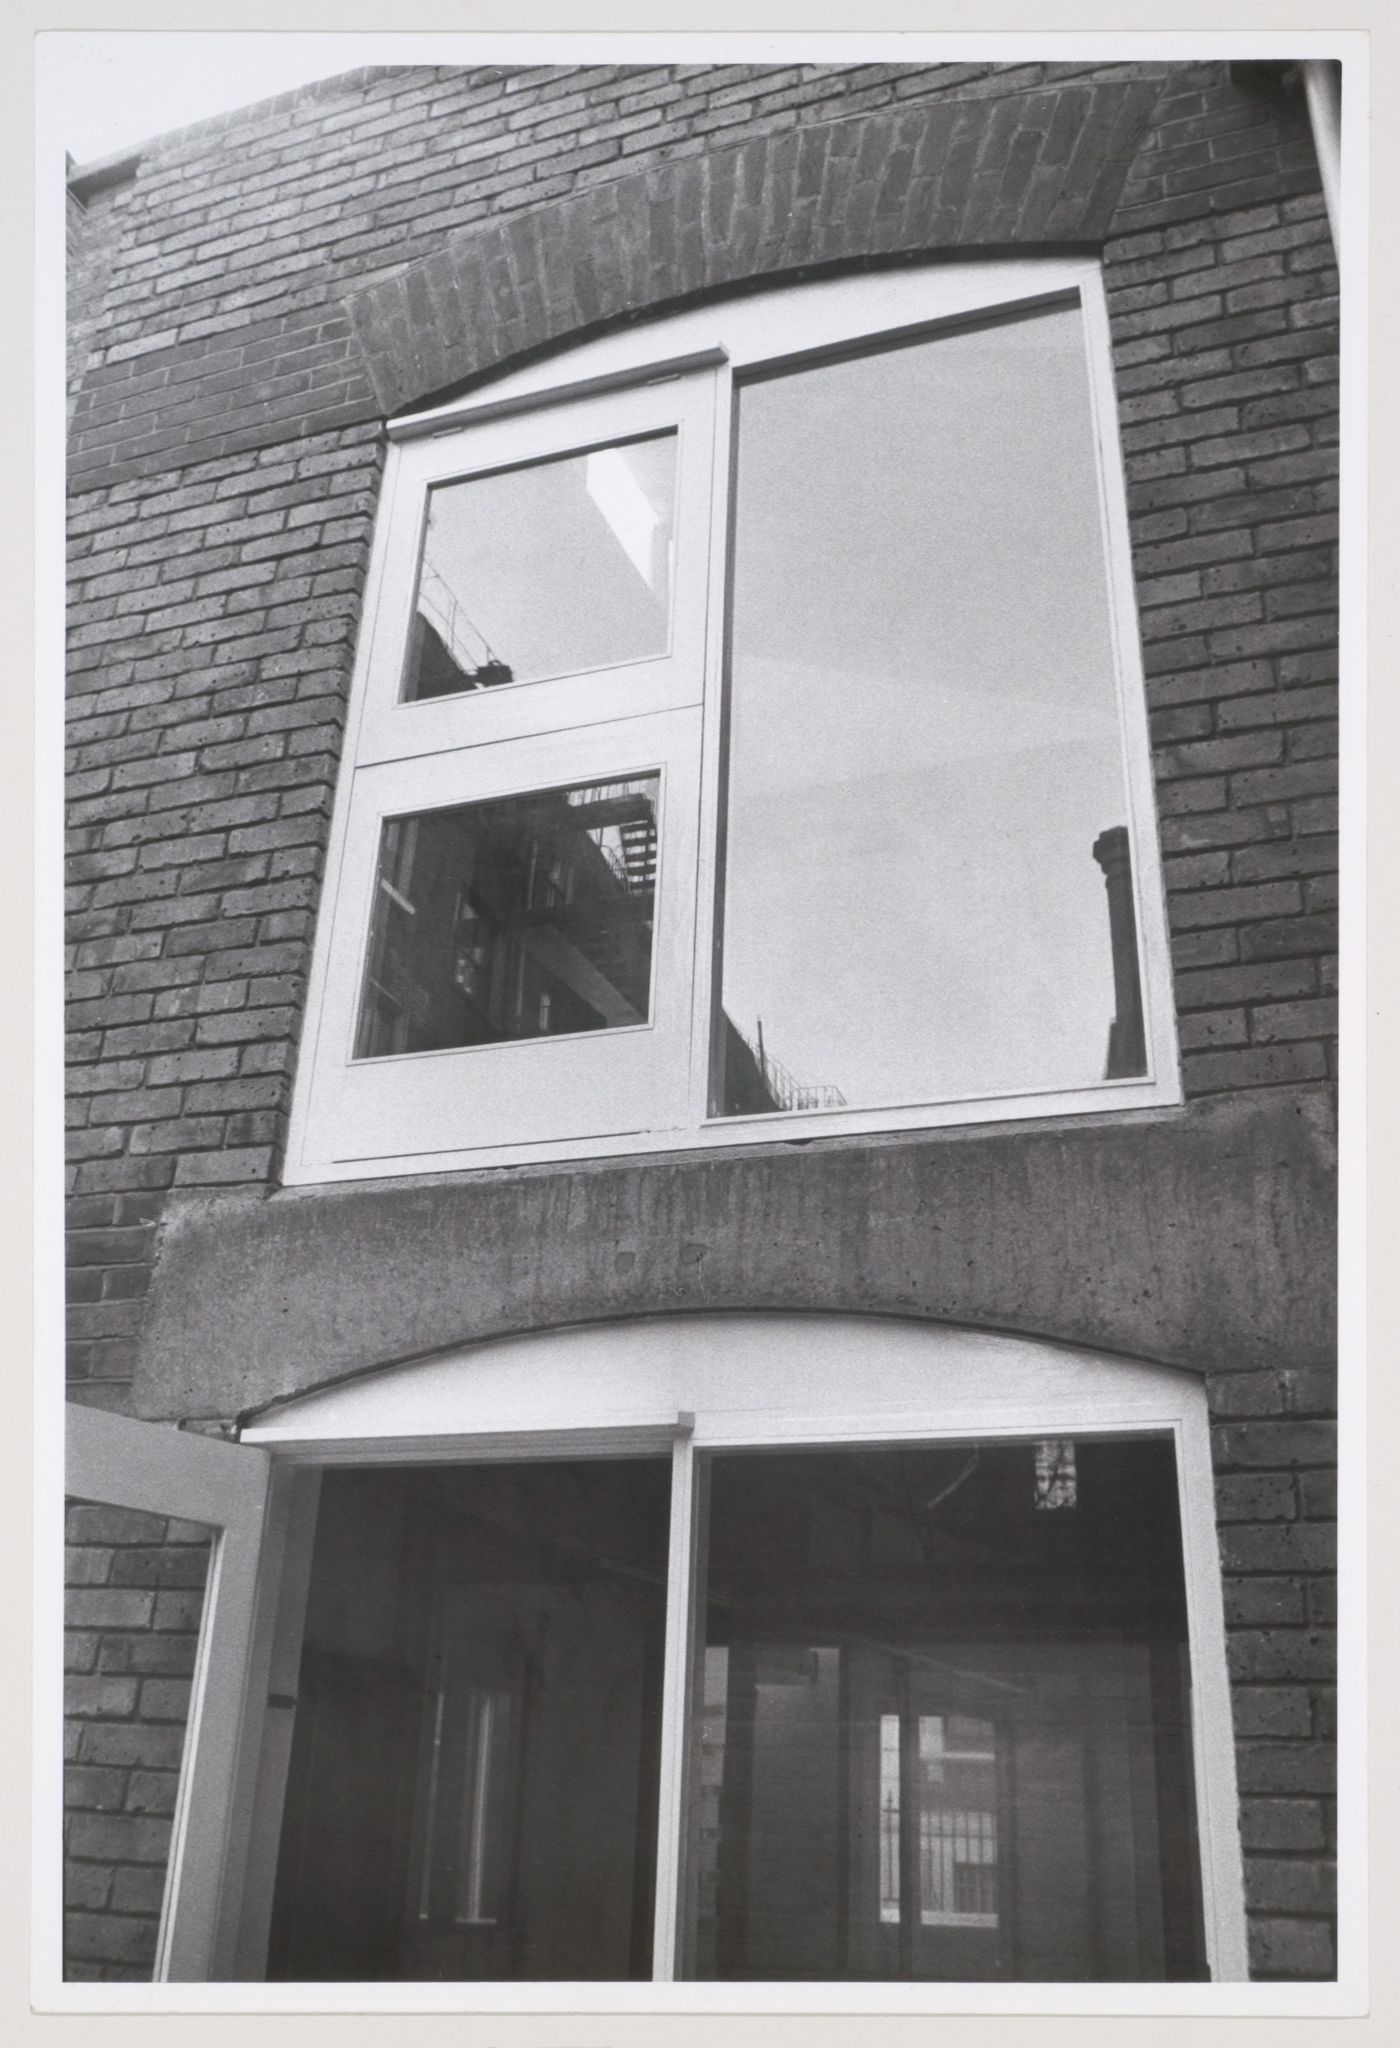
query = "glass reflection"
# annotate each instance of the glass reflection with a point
(940, 1733)
(473, 1780)
(928, 891)
(545, 570)
(526, 917)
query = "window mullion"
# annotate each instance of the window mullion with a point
(684, 1581)
(710, 857)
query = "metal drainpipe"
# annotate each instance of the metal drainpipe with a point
(1322, 85)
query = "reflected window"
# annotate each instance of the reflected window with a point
(468, 1825)
(928, 888)
(545, 570)
(529, 917)
(955, 1819)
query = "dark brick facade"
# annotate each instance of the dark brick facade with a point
(134, 1593)
(253, 297)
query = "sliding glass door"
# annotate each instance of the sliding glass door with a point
(939, 1726)
(734, 1650)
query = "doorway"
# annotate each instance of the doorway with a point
(728, 1648)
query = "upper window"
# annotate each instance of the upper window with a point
(749, 741)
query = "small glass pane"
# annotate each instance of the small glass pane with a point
(928, 891)
(941, 1734)
(546, 570)
(525, 917)
(474, 1773)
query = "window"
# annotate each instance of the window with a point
(748, 740)
(768, 1692)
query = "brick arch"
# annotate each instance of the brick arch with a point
(1027, 170)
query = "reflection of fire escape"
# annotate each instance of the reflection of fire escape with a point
(629, 809)
(619, 819)
(465, 645)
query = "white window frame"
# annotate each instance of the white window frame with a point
(647, 1089)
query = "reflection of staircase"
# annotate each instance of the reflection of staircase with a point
(638, 835)
(629, 808)
(598, 942)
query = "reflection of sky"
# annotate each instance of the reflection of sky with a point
(924, 739)
(561, 566)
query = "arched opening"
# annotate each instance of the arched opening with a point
(737, 1648)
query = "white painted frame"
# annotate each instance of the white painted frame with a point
(681, 369)
(528, 1092)
(690, 1385)
(389, 729)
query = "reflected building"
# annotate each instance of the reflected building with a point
(529, 917)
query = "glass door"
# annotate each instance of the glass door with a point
(734, 1650)
(939, 1729)
(473, 1789)
(941, 1721)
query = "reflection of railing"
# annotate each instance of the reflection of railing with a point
(957, 1867)
(467, 645)
(957, 1860)
(782, 1085)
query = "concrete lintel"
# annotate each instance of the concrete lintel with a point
(1199, 1237)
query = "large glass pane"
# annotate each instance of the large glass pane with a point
(942, 1718)
(474, 1776)
(927, 890)
(525, 917)
(545, 570)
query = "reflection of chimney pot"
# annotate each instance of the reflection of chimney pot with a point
(1111, 853)
(1127, 1051)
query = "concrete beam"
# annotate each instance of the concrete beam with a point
(1196, 1237)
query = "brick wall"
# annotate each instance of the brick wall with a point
(1274, 1443)
(93, 233)
(213, 617)
(223, 326)
(1225, 333)
(1225, 330)
(134, 1589)
(216, 579)
(225, 462)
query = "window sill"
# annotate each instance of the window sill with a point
(737, 1135)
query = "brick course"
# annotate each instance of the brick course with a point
(269, 282)
(134, 1592)
(1236, 578)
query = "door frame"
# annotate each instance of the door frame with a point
(693, 1384)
